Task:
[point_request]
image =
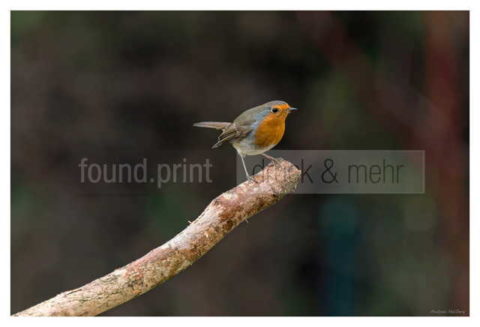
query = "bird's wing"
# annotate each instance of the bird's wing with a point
(233, 132)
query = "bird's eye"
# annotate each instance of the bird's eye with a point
(274, 110)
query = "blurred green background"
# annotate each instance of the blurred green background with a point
(122, 86)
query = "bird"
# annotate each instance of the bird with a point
(255, 131)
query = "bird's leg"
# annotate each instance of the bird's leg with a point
(275, 160)
(245, 167)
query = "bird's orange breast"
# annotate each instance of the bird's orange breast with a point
(270, 131)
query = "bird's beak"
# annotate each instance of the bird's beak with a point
(292, 109)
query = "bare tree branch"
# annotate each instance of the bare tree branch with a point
(221, 216)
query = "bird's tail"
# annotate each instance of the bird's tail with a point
(212, 124)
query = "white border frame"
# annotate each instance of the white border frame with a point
(473, 6)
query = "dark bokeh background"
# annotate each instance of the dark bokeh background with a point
(122, 86)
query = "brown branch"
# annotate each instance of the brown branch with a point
(221, 216)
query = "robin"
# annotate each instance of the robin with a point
(255, 131)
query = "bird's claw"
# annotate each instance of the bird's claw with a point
(277, 161)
